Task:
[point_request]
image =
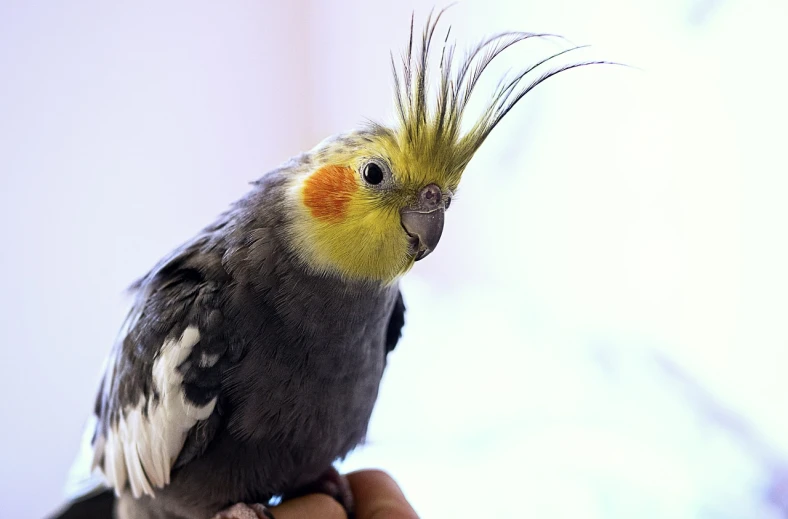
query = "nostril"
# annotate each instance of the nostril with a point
(431, 195)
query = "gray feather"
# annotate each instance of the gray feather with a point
(292, 360)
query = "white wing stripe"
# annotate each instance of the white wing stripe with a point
(143, 449)
(115, 465)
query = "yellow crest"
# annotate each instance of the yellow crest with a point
(432, 134)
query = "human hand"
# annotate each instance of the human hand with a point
(375, 493)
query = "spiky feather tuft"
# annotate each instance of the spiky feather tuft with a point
(429, 145)
(433, 133)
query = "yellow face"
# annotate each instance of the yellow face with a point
(350, 206)
(366, 208)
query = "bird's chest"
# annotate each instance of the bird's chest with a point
(320, 393)
(303, 394)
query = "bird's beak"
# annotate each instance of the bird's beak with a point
(423, 221)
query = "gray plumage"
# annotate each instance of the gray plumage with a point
(247, 367)
(292, 360)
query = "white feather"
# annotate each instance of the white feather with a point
(142, 449)
(114, 463)
(208, 360)
(83, 481)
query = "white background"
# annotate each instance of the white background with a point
(602, 331)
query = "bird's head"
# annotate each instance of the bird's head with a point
(372, 202)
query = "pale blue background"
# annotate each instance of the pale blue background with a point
(603, 331)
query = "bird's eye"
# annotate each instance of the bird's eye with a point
(448, 203)
(373, 173)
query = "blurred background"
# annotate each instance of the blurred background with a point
(603, 331)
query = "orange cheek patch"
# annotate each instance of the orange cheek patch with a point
(328, 191)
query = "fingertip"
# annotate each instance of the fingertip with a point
(377, 496)
(310, 507)
(372, 477)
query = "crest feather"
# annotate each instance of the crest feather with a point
(435, 131)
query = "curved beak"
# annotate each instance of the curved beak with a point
(424, 221)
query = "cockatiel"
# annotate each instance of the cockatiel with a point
(251, 358)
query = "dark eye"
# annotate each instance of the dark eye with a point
(447, 202)
(373, 173)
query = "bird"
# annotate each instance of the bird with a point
(252, 355)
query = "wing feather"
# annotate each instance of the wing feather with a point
(141, 448)
(162, 378)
